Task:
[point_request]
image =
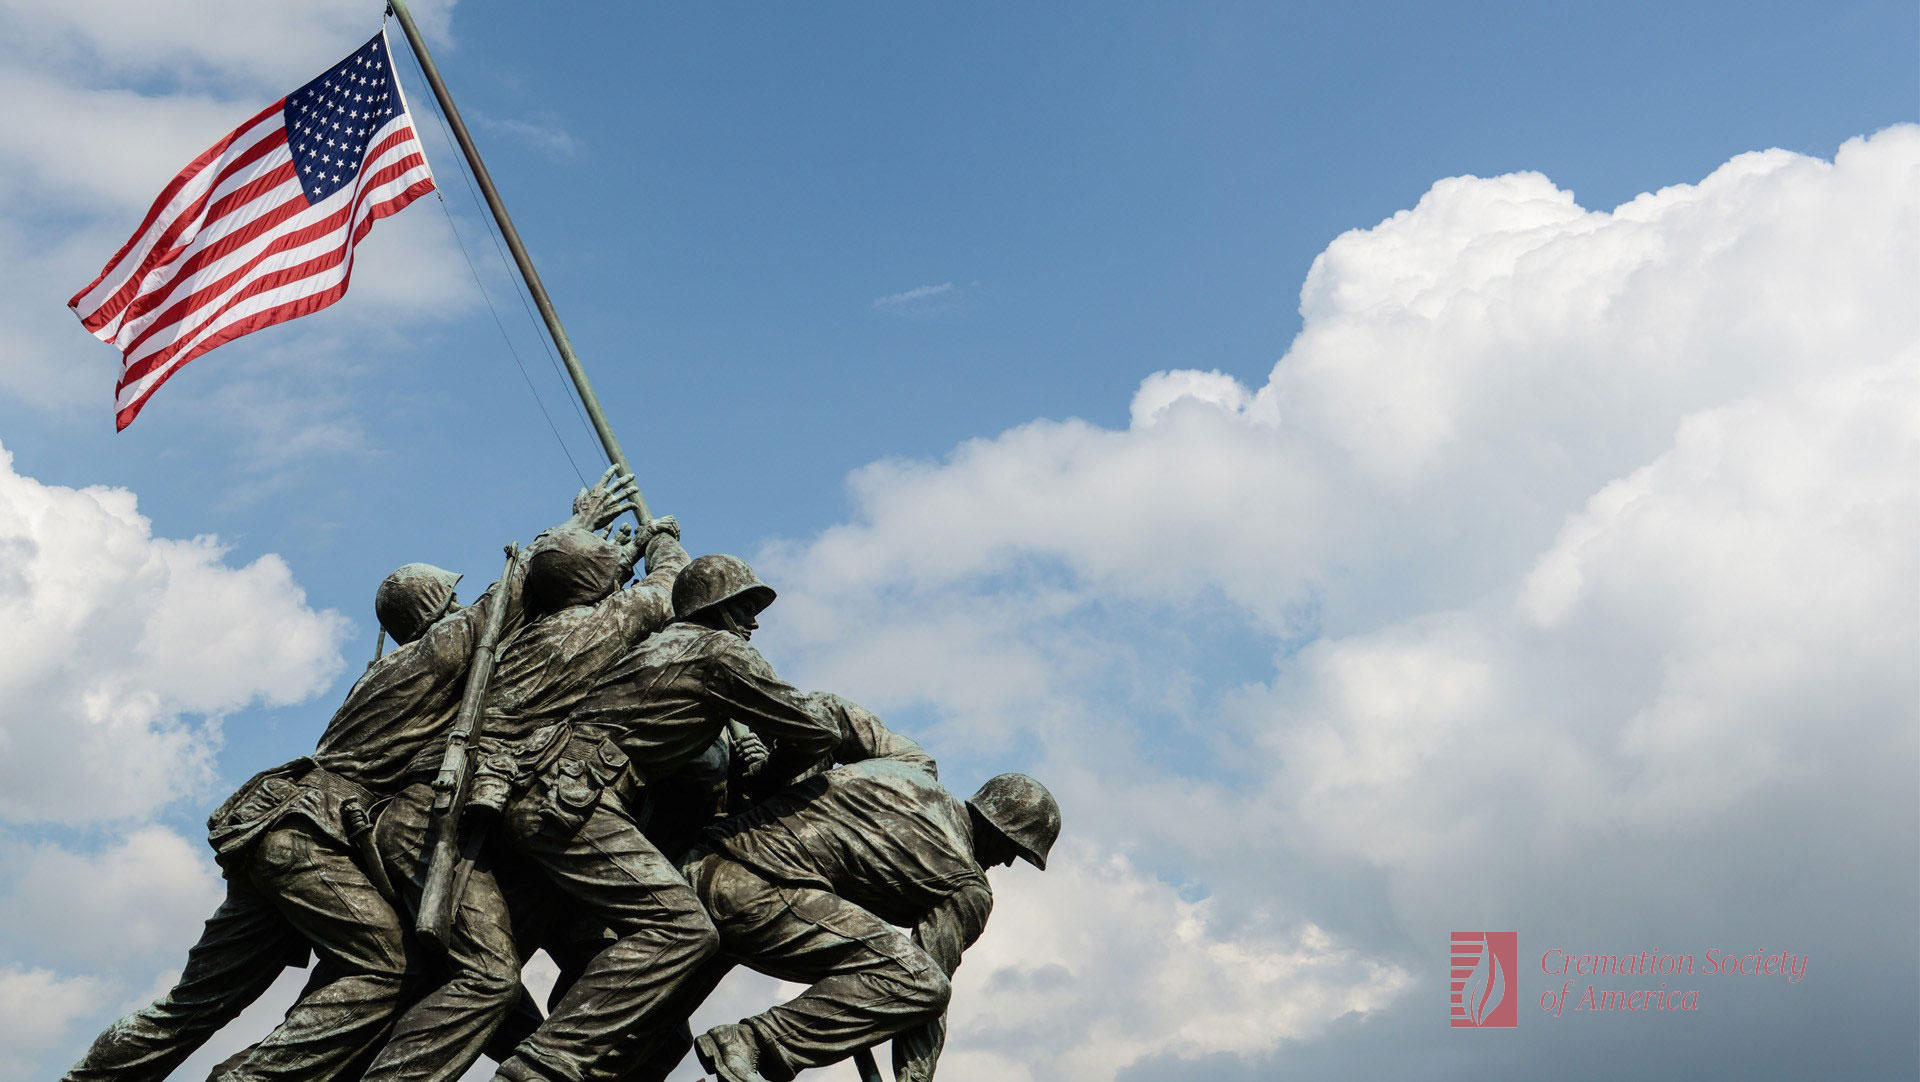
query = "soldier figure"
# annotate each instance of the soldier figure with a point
(605, 746)
(809, 885)
(294, 843)
(578, 621)
(650, 715)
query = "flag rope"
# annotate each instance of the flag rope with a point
(481, 285)
(529, 274)
(511, 350)
(519, 291)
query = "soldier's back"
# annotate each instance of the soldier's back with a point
(881, 833)
(652, 700)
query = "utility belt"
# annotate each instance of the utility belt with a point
(336, 806)
(553, 779)
(346, 789)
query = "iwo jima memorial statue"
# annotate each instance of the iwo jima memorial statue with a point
(599, 768)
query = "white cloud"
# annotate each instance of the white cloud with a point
(1093, 965)
(222, 42)
(1170, 975)
(36, 1010)
(120, 651)
(139, 900)
(919, 301)
(1572, 547)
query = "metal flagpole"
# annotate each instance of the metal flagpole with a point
(520, 258)
(864, 1058)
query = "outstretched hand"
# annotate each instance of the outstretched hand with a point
(629, 543)
(748, 748)
(610, 497)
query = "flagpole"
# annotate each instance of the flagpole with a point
(528, 273)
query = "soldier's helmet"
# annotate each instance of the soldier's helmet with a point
(1023, 810)
(716, 578)
(412, 598)
(571, 566)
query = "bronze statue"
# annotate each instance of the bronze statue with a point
(293, 844)
(579, 737)
(615, 726)
(813, 885)
(651, 714)
(578, 620)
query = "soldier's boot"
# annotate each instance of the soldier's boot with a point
(731, 1052)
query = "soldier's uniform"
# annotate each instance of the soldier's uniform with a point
(809, 886)
(658, 709)
(863, 736)
(291, 843)
(576, 629)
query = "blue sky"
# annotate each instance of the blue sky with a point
(878, 296)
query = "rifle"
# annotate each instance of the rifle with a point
(451, 852)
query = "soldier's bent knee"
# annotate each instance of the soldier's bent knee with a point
(494, 984)
(702, 937)
(935, 989)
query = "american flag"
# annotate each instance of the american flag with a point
(259, 229)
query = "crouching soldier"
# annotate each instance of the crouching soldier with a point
(808, 886)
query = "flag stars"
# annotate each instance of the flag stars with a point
(331, 121)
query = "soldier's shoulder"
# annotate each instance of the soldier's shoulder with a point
(680, 639)
(721, 645)
(895, 774)
(677, 634)
(563, 623)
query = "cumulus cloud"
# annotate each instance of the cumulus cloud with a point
(1570, 546)
(122, 649)
(1171, 976)
(255, 48)
(139, 899)
(99, 932)
(36, 1010)
(119, 653)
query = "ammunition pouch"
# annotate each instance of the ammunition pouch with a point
(331, 805)
(494, 782)
(567, 774)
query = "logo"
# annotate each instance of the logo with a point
(1484, 980)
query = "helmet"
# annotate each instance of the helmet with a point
(412, 598)
(715, 578)
(571, 566)
(1024, 811)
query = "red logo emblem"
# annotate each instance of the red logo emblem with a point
(1484, 980)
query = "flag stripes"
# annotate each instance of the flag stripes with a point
(248, 236)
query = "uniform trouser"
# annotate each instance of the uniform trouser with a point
(867, 980)
(613, 874)
(443, 1032)
(298, 888)
(241, 952)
